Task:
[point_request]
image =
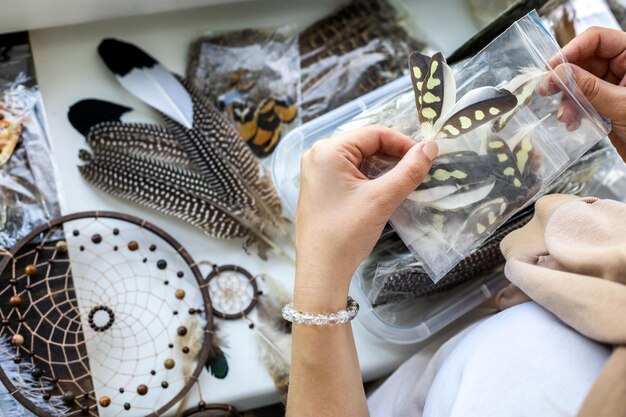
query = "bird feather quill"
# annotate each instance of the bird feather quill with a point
(207, 137)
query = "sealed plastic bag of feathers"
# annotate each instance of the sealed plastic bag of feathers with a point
(28, 194)
(397, 275)
(500, 143)
(253, 77)
(358, 48)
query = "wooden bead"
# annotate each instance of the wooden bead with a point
(61, 246)
(133, 246)
(142, 389)
(17, 340)
(180, 293)
(15, 301)
(182, 330)
(169, 363)
(30, 270)
(104, 401)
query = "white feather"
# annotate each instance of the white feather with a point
(160, 89)
(464, 198)
(432, 194)
(449, 91)
(524, 131)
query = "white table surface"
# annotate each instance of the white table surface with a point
(69, 69)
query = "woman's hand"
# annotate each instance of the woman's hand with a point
(598, 64)
(341, 213)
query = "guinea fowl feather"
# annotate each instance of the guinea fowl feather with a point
(158, 194)
(148, 165)
(234, 148)
(211, 143)
(150, 141)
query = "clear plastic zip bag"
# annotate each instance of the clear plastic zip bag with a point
(495, 156)
(28, 194)
(361, 46)
(397, 275)
(253, 77)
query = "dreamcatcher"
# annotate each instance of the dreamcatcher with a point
(234, 294)
(103, 314)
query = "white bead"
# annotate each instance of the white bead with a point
(296, 316)
(333, 319)
(307, 318)
(319, 320)
(343, 316)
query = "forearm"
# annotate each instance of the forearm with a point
(325, 378)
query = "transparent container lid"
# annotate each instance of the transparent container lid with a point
(414, 321)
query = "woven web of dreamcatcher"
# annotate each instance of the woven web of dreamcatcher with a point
(233, 290)
(113, 319)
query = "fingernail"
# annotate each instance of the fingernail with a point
(430, 149)
(560, 113)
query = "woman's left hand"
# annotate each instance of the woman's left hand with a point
(341, 213)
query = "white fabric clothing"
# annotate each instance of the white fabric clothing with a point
(522, 362)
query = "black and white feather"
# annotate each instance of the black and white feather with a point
(147, 164)
(212, 144)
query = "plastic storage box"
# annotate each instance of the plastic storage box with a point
(420, 318)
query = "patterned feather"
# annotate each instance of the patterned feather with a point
(221, 135)
(205, 134)
(439, 114)
(149, 141)
(506, 169)
(523, 87)
(147, 164)
(143, 76)
(213, 218)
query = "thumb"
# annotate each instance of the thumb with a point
(608, 99)
(409, 173)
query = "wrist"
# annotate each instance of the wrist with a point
(318, 292)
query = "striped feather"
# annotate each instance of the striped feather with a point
(149, 141)
(130, 183)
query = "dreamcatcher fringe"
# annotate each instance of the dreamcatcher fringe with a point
(274, 336)
(21, 376)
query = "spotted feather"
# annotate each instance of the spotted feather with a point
(418, 67)
(172, 191)
(477, 107)
(439, 113)
(506, 169)
(151, 141)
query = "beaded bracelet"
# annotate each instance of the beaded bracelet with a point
(342, 316)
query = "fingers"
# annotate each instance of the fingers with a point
(595, 42)
(360, 143)
(408, 174)
(608, 99)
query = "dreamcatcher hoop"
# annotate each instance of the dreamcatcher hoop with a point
(39, 233)
(216, 273)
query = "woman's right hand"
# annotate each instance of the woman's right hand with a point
(597, 61)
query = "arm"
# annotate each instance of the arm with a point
(339, 219)
(598, 64)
